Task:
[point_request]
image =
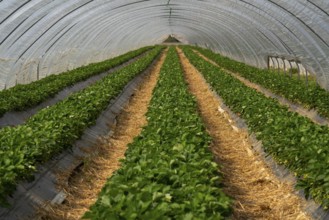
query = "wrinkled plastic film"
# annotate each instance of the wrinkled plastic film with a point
(43, 37)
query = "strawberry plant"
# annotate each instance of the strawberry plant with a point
(293, 140)
(54, 129)
(311, 96)
(22, 97)
(168, 172)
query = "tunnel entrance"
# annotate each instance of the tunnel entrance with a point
(171, 39)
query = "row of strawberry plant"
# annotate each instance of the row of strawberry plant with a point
(291, 139)
(168, 172)
(56, 128)
(311, 96)
(22, 97)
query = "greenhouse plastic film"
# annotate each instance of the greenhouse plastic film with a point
(38, 38)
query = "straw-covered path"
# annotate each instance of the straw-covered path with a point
(84, 187)
(257, 192)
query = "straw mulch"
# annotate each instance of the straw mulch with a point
(257, 192)
(85, 185)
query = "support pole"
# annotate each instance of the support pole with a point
(298, 70)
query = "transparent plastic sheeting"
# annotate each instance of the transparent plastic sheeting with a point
(43, 37)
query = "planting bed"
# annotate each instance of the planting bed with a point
(169, 171)
(56, 128)
(22, 97)
(311, 96)
(292, 140)
(104, 158)
(257, 192)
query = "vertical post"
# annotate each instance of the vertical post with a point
(298, 70)
(38, 71)
(271, 61)
(284, 66)
(306, 77)
(290, 71)
(277, 60)
(16, 81)
(268, 62)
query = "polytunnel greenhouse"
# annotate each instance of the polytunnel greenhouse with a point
(164, 109)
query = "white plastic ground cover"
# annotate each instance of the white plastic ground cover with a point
(43, 37)
(30, 196)
(15, 118)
